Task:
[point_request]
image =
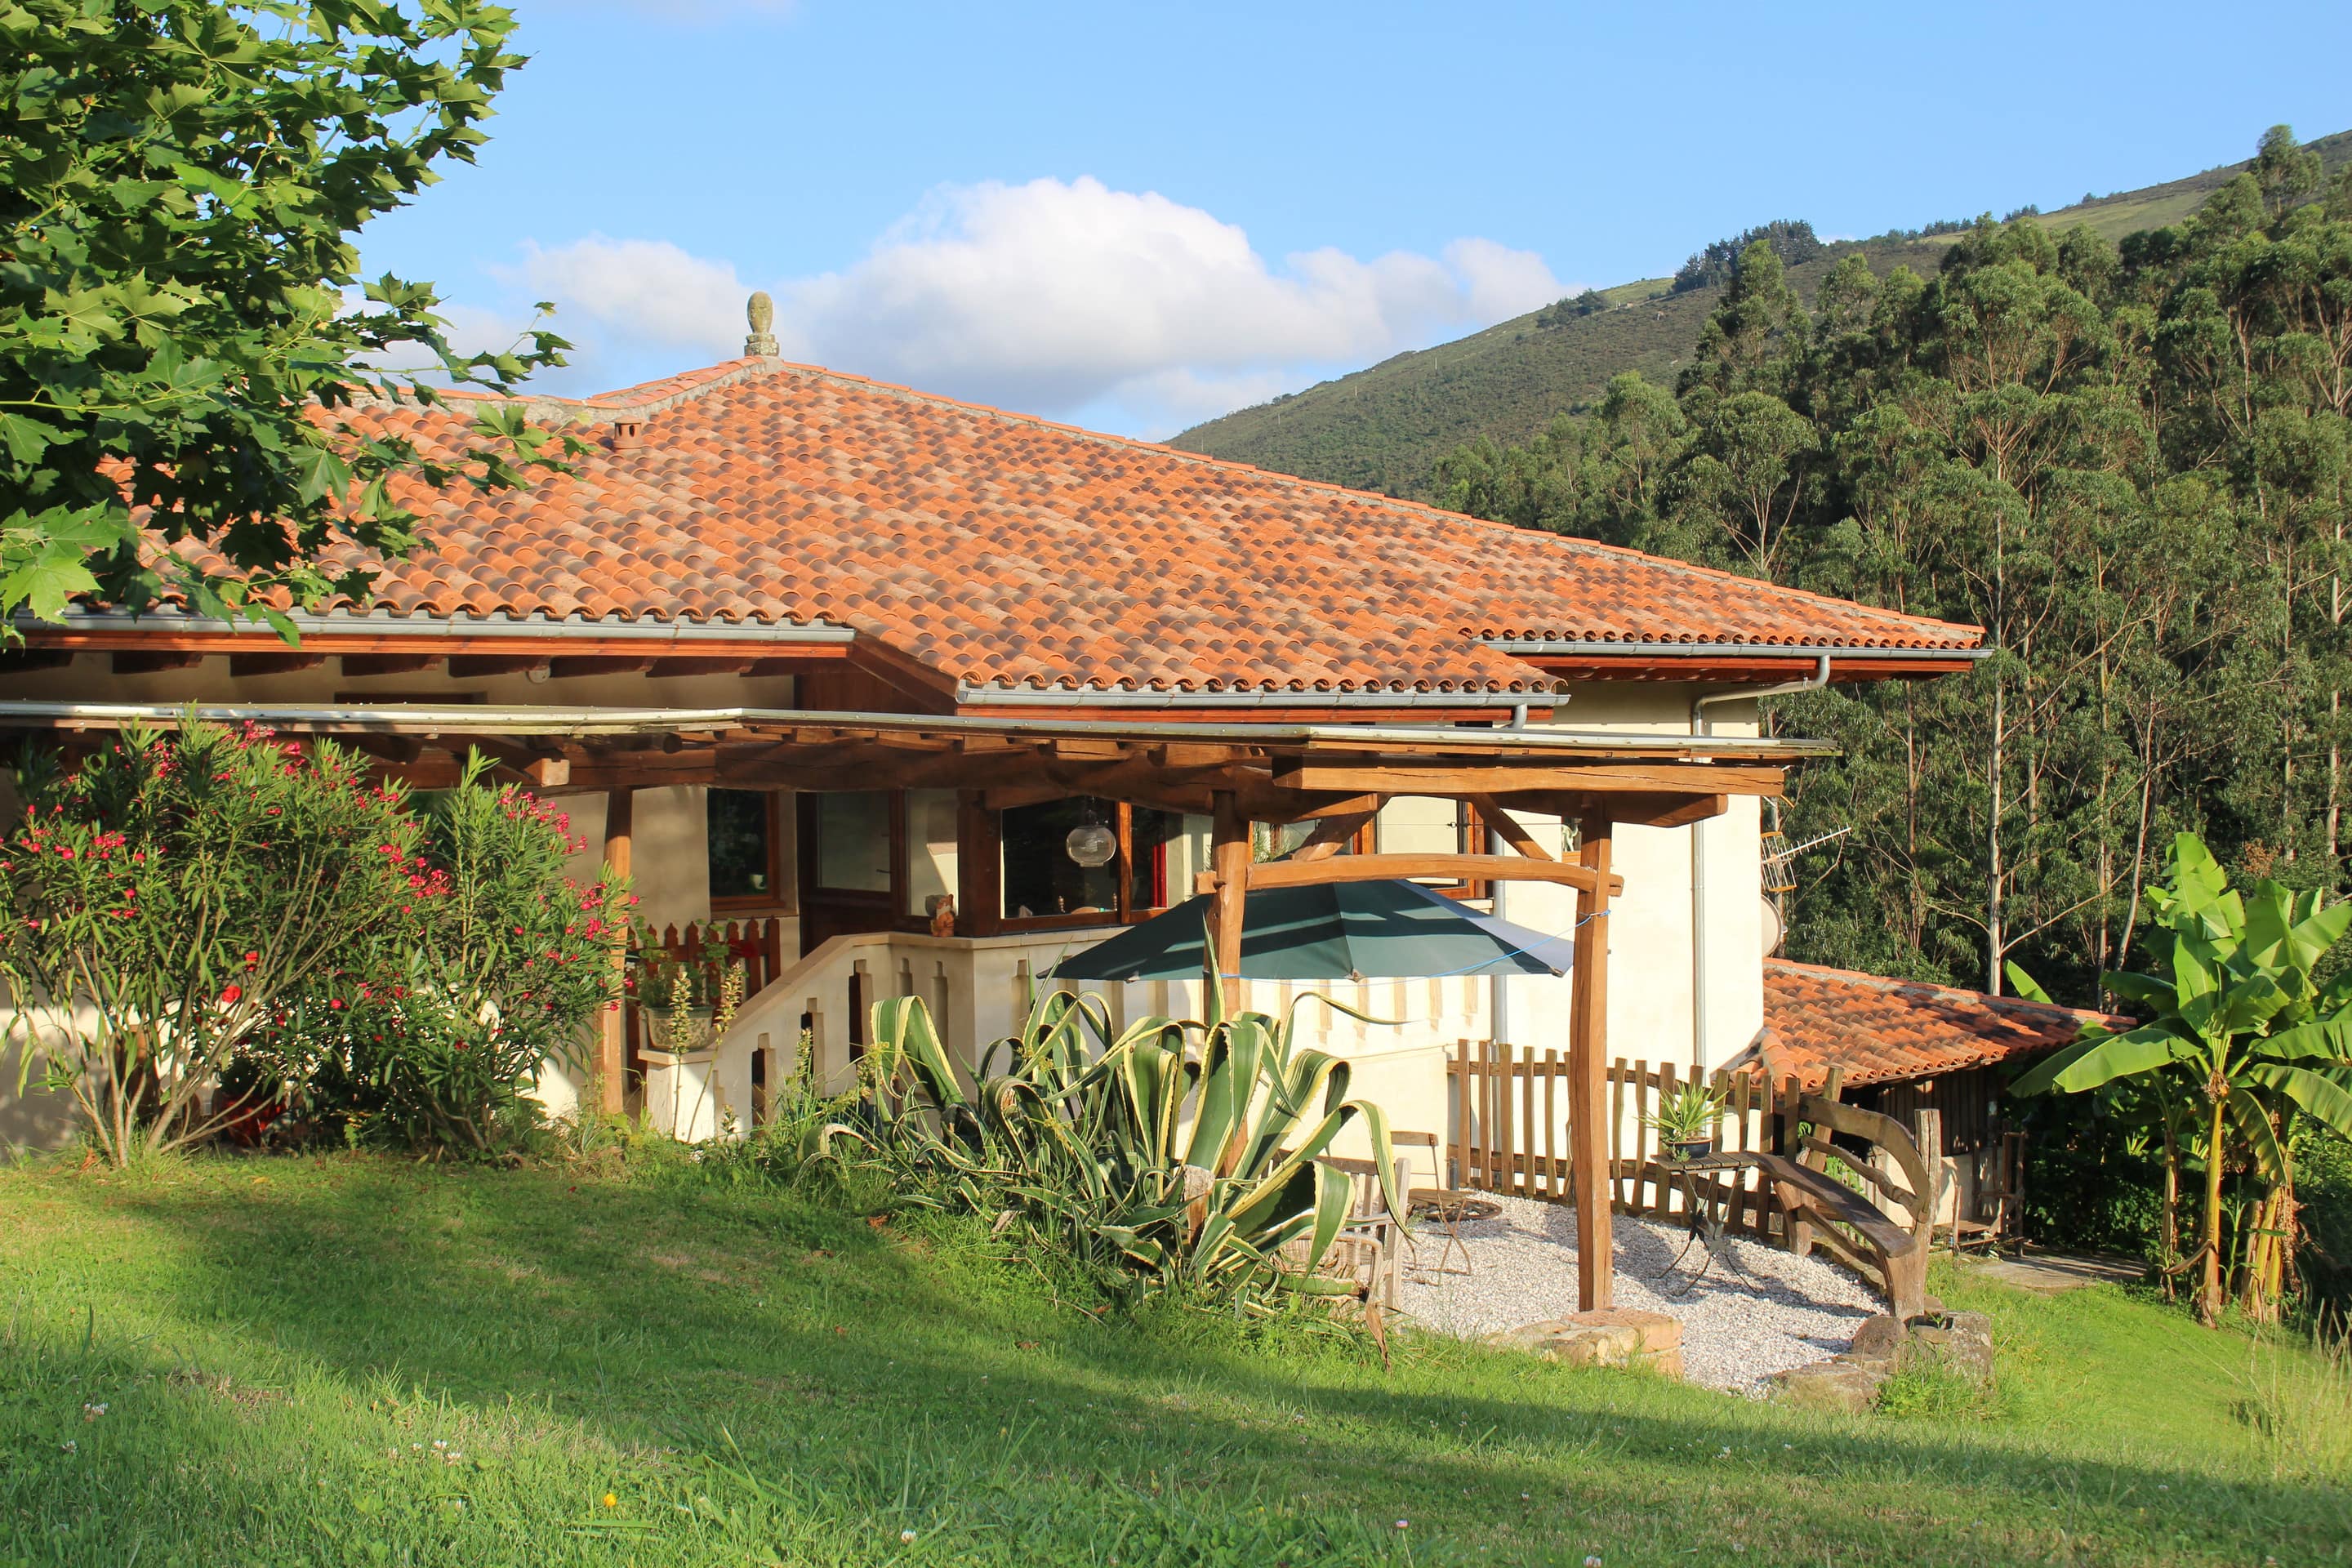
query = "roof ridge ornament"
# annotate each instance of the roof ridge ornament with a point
(760, 312)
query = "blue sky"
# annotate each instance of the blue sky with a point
(1138, 216)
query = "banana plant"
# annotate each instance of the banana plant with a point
(2233, 1015)
(1180, 1151)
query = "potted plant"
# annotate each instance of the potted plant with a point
(681, 1090)
(1686, 1121)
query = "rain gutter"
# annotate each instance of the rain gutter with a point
(1599, 649)
(971, 696)
(468, 626)
(486, 719)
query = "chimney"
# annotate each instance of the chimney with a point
(760, 312)
(628, 432)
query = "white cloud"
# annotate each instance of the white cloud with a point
(1052, 297)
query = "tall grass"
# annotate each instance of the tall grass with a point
(2300, 1404)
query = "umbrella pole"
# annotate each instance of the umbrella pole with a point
(1229, 862)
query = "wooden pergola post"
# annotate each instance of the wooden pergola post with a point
(1229, 863)
(612, 1052)
(1588, 1132)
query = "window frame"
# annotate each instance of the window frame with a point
(776, 898)
(1125, 911)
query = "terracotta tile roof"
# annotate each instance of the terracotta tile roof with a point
(1883, 1031)
(997, 547)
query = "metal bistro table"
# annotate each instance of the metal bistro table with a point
(1451, 1210)
(1709, 1205)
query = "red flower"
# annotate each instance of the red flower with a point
(230, 994)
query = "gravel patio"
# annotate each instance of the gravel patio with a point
(1737, 1330)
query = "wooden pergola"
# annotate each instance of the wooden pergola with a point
(1336, 775)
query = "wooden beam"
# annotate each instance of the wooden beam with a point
(241, 664)
(390, 748)
(1653, 808)
(612, 1054)
(477, 665)
(1331, 835)
(1229, 861)
(154, 663)
(1453, 869)
(388, 663)
(1346, 805)
(563, 668)
(1504, 778)
(545, 769)
(1671, 811)
(1588, 1072)
(681, 667)
(1498, 821)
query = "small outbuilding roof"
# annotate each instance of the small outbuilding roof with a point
(1887, 1031)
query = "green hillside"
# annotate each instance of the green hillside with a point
(1384, 428)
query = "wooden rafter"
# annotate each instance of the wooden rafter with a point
(1516, 777)
(1453, 869)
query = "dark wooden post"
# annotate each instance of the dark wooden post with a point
(613, 1054)
(980, 866)
(1229, 861)
(1587, 1054)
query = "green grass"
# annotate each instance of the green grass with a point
(282, 1346)
(1384, 428)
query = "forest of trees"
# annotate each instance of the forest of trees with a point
(2130, 464)
(1790, 239)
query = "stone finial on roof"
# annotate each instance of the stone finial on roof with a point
(760, 312)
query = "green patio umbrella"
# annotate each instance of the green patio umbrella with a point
(1336, 930)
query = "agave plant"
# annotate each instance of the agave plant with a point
(1184, 1153)
(2236, 1020)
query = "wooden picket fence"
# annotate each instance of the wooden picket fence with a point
(757, 943)
(1508, 1134)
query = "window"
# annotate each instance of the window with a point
(1044, 880)
(744, 844)
(852, 840)
(1424, 824)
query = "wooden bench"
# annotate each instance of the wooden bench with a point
(1816, 1203)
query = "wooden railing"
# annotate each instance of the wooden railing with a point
(1508, 1132)
(757, 943)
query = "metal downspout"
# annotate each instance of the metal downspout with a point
(1814, 682)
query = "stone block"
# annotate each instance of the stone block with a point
(1957, 1342)
(1845, 1387)
(1876, 1342)
(1618, 1337)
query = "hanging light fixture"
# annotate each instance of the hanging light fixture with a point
(1091, 843)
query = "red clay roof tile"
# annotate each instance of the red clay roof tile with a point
(997, 547)
(1884, 1031)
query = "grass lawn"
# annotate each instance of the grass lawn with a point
(356, 1361)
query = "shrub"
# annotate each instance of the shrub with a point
(162, 899)
(434, 1035)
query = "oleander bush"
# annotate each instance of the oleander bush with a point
(162, 899)
(211, 930)
(432, 1035)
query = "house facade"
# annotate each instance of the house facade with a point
(902, 694)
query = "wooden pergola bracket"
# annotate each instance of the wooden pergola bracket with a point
(1451, 868)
